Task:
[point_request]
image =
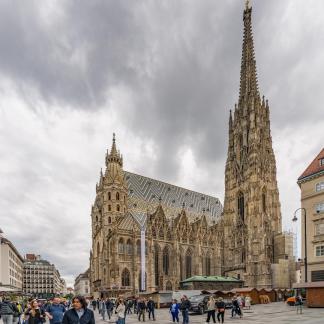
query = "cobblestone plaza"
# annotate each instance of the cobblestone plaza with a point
(270, 313)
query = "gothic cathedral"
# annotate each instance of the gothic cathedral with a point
(189, 233)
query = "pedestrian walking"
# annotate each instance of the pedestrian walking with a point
(151, 308)
(55, 311)
(248, 302)
(6, 311)
(174, 310)
(79, 313)
(109, 307)
(94, 304)
(103, 309)
(299, 304)
(16, 314)
(184, 307)
(220, 305)
(236, 307)
(121, 310)
(35, 314)
(129, 305)
(141, 308)
(211, 309)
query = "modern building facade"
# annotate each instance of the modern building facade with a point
(11, 266)
(188, 233)
(311, 184)
(82, 284)
(41, 278)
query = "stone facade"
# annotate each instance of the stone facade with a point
(187, 234)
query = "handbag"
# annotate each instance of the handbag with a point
(221, 310)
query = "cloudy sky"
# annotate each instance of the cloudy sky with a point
(163, 76)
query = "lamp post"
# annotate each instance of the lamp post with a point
(305, 236)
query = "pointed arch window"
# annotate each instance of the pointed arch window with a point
(109, 207)
(109, 220)
(188, 264)
(264, 201)
(166, 261)
(109, 195)
(117, 195)
(240, 206)
(121, 246)
(207, 265)
(118, 208)
(168, 286)
(129, 247)
(156, 264)
(138, 248)
(125, 278)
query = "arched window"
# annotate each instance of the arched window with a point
(264, 205)
(125, 278)
(188, 264)
(125, 199)
(121, 247)
(138, 247)
(207, 265)
(240, 206)
(156, 264)
(109, 220)
(98, 249)
(117, 195)
(97, 218)
(118, 208)
(166, 261)
(129, 247)
(168, 286)
(109, 207)
(109, 195)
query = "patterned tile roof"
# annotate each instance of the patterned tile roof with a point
(315, 167)
(145, 194)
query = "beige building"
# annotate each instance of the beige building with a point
(41, 278)
(11, 266)
(82, 284)
(187, 232)
(311, 184)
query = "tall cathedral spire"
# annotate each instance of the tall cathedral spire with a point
(249, 79)
(114, 155)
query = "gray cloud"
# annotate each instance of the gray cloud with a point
(163, 75)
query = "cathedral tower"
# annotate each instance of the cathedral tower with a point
(252, 217)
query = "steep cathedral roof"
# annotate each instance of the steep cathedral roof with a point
(146, 194)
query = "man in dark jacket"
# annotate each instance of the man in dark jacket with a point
(141, 307)
(184, 307)
(80, 313)
(151, 308)
(7, 311)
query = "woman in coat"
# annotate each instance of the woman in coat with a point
(35, 314)
(79, 313)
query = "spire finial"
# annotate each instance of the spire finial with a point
(114, 137)
(247, 4)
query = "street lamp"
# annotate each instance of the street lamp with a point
(295, 219)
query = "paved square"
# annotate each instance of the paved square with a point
(259, 314)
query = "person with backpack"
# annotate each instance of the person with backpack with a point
(220, 305)
(55, 311)
(7, 311)
(16, 314)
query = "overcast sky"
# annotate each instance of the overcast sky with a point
(162, 75)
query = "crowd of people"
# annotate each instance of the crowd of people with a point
(81, 311)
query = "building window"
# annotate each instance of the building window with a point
(321, 161)
(320, 186)
(188, 261)
(117, 196)
(109, 196)
(318, 275)
(129, 247)
(264, 208)
(156, 264)
(121, 248)
(109, 207)
(118, 208)
(319, 207)
(240, 206)
(125, 278)
(319, 229)
(320, 250)
(109, 220)
(166, 261)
